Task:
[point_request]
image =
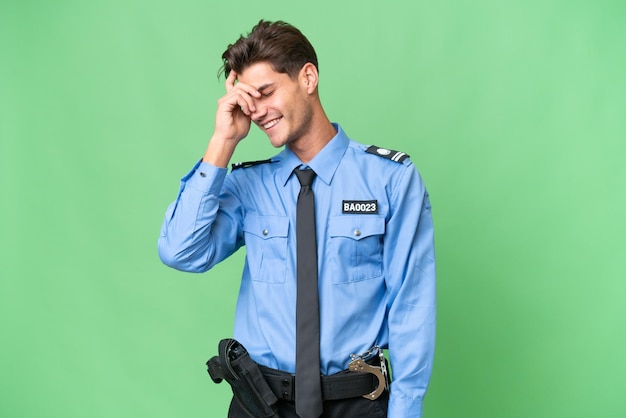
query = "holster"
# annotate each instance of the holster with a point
(250, 389)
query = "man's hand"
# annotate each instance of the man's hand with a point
(232, 120)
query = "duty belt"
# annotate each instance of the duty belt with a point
(257, 388)
(342, 385)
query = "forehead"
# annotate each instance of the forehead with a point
(262, 74)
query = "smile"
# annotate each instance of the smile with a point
(271, 123)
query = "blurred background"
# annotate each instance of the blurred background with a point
(514, 113)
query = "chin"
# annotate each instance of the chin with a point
(277, 141)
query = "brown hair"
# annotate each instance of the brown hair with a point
(278, 43)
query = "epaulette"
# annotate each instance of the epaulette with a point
(247, 164)
(397, 156)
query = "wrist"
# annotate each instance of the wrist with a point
(219, 151)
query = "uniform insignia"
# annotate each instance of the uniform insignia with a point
(247, 164)
(360, 207)
(397, 156)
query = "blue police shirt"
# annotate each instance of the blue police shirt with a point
(376, 258)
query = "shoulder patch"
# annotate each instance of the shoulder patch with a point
(397, 156)
(247, 164)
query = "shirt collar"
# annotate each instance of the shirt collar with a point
(324, 164)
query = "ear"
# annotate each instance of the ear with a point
(309, 77)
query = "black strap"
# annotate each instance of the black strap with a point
(246, 164)
(342, 385)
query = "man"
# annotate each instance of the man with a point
(373, 235)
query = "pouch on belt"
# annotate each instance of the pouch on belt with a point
(250, 389)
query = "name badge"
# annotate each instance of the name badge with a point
(360, 207)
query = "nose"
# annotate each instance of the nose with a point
(260, 111)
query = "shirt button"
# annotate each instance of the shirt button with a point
(357, 233)
(265, 232)
(202, 174)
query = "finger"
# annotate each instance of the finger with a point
(245, 103)
(230, 81)
(248, 89)
(237, 100)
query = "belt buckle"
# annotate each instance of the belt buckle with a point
(358, 365)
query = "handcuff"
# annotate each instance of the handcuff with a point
(359, 365)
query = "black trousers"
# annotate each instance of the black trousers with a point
(345, 408)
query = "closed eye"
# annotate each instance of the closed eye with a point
(267, 89)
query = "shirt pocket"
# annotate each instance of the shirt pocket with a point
(266, 247)
(356, 247)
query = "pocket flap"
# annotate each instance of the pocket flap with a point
(266, 227)
(356, 227)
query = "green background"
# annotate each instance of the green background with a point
(513, 111)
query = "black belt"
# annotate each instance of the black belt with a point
(342, 385)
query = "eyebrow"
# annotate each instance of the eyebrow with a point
(265, 87)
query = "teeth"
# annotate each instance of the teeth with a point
(271, 123)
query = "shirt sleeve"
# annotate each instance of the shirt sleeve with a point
(203, 225)
(410, 274)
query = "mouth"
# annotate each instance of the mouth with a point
(269, 125)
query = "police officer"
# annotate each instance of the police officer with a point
(374, 233)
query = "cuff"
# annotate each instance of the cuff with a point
(205, 177)
(404, 408)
